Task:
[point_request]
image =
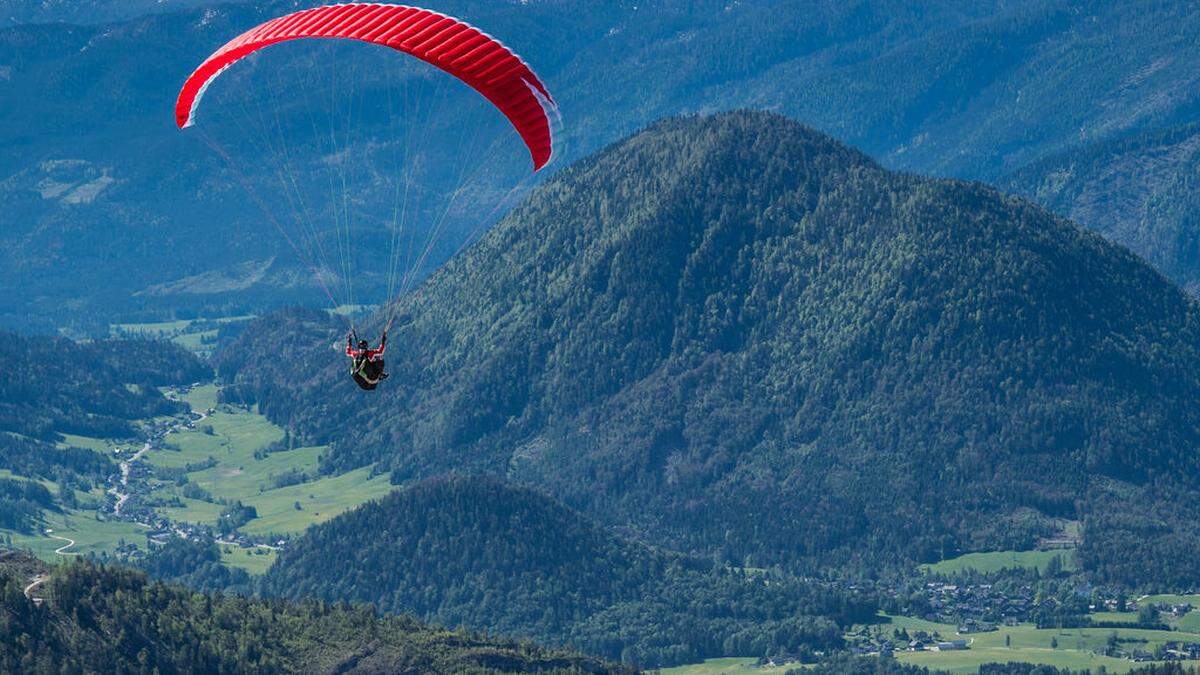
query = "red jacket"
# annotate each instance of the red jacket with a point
(371, 354)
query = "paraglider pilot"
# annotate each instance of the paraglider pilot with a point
(366, 366)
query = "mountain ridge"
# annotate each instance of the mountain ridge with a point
(92, 617)
(477, 552)
(941, 88)
(804, 322)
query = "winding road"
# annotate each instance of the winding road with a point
(37, 581)
(62, 550)
(125, 467)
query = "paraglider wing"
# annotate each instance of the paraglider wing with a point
(476, 58)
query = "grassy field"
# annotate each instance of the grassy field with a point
(253, 560)
(89, 534)
(231, 436)
(968, 661)
(49, 484)
(167, 328)
(245, 478)
(353, 310)
(201, 398)
(1031, 645)
(104, 446)
(235, 436)
(157, 329)
(911, 624)
(735, 665)
(1193, 600)
(194, 335)
(1190, 623)
(1118, 617)
(998, 560)
(319, 501)
(201, 341)
(193, 511)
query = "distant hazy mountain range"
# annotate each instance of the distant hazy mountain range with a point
(733, 336)
(16, 12)
(100, 193)
(1141, 189)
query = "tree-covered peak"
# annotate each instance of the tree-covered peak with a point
(731, 325)
(489, 555)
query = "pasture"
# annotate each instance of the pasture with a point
(997, 560)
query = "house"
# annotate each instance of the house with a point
(951, 646)
(972, 626)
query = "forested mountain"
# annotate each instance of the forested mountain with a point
(478, 553)
(14, 12)
(99, 619)
(1139, 189)
(732, 335)
(94, 177)
(52, 385)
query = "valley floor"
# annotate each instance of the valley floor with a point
(1075, 648)
(184, 472)
(729, 666)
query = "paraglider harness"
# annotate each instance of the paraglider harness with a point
(367, 365)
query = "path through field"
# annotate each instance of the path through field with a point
(62, 550)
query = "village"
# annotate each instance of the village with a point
(932, 614)
(132, 497)
(951, 615)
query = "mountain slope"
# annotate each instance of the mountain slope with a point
(15, 12)
(478, 553)
(1138, 190)
(54, 386)
(94, 177)
(733, 335)
(113, 620)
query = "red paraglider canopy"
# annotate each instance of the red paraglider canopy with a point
(476, 58)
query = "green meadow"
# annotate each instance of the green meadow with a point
(969, 661)
(1076, 648)
(1190, 622)
(201, 398)
(101, 445)
(89, 534)
(196, 335)
(998, 560)
(231, 437)
(254, 560)
(319, 501)
(734, 665)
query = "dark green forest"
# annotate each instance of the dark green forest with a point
(735, 337)
(100, 619)
(478, 553)
(54, 386)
